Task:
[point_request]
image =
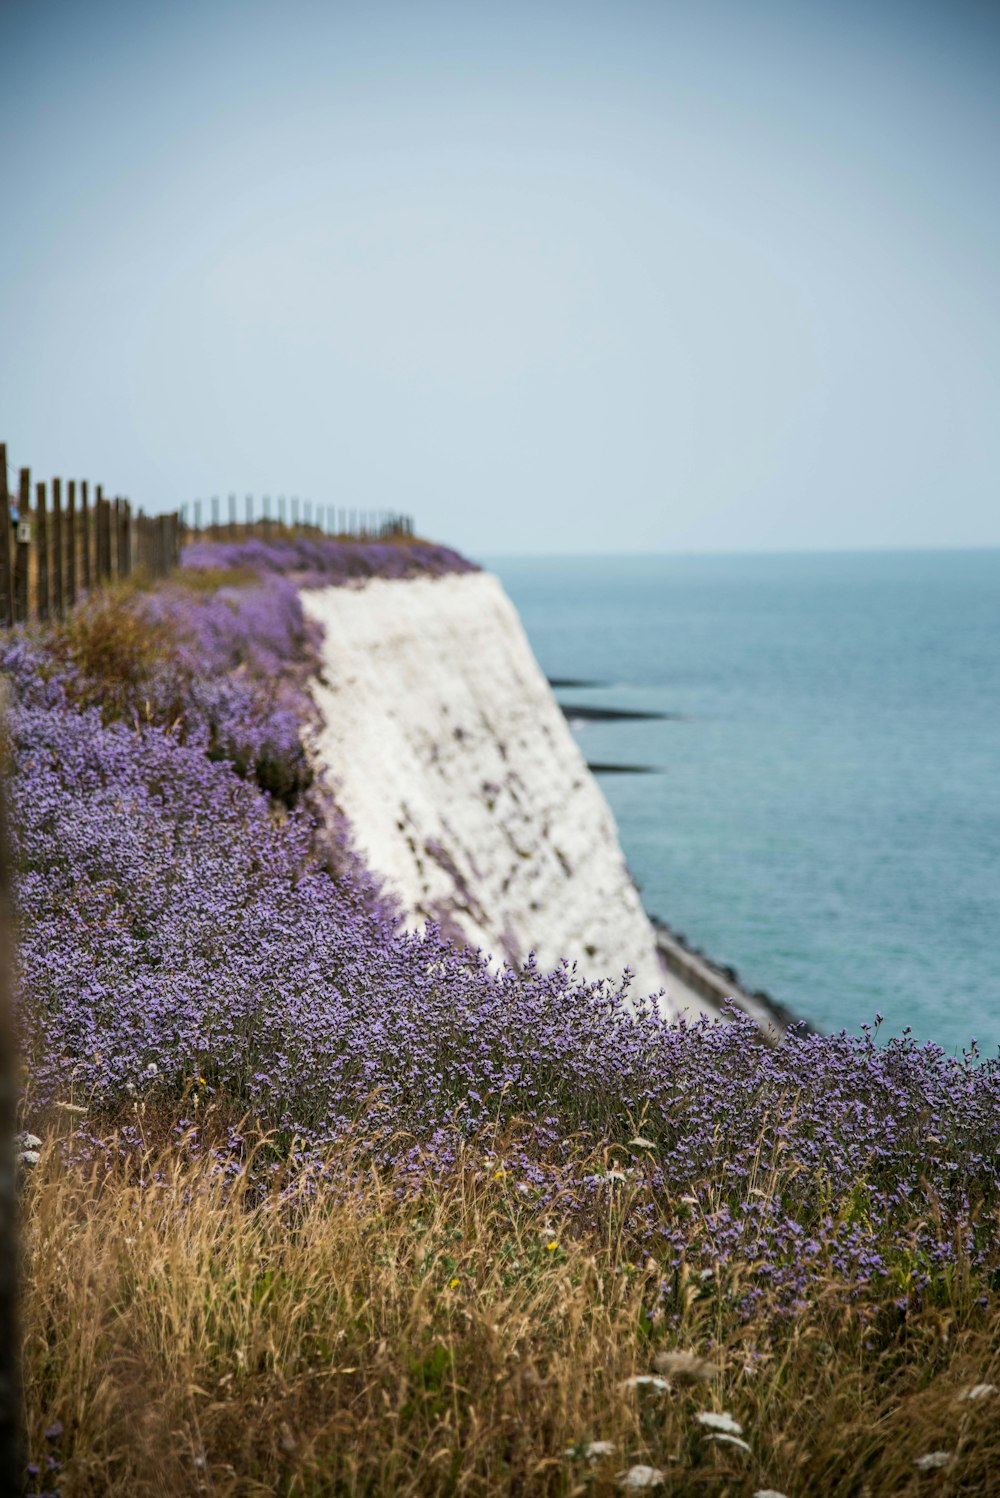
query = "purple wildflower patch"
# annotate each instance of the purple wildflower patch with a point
(316, 559)
(179, 940)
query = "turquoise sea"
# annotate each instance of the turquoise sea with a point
(826, 812)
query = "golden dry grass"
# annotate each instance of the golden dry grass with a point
(112, 644)
(446, 1340)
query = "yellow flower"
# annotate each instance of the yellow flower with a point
(500, 1174)
(454, 1284)
(551, 1247)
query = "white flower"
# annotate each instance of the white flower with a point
(592, 1450)
(152, 1070)
(768, 1493)
(978, 1391)
(724, 1423)
(28, 1157)
(26, 1141)
(730, 1441)
(641, 1143)
(646, 1381)
(640, 1477)
(932, 1461)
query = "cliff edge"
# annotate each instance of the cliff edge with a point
(466, 791)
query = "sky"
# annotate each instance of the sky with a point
(586, 277)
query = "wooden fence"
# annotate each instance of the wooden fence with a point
(269, 519)
(69, 543)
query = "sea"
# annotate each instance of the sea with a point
(819, 805)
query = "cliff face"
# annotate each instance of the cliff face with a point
(465, 788)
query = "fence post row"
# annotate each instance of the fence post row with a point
(54, 554)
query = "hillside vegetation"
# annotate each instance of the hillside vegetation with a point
(323, 1207)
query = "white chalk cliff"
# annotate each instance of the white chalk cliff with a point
(465, 788)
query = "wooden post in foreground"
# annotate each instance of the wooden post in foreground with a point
(22, 549)
(56, 577)
(71, 545)
(85, 542)
(6, 574)
(103, 538)
(121, 536)
(42, 543)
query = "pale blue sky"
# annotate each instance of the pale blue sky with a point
(555, 277)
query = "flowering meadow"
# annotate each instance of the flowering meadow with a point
(316, 1205)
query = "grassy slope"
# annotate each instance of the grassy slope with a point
(457, 1311)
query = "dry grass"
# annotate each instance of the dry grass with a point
(211, 579)
(364, 1340)
(112, 644)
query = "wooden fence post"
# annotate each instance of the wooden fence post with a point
(107, 510)
(85, 542)
(98, 559)
(71, 544)
(22, 549)
(100, 528)
(249, 513)
(232, 517)
(57, 549)
(43, 553)
(6, 575)
(121, 554)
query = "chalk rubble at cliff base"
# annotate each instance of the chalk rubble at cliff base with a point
(466, 791)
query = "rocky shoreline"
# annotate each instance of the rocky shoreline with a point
(718, 983)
